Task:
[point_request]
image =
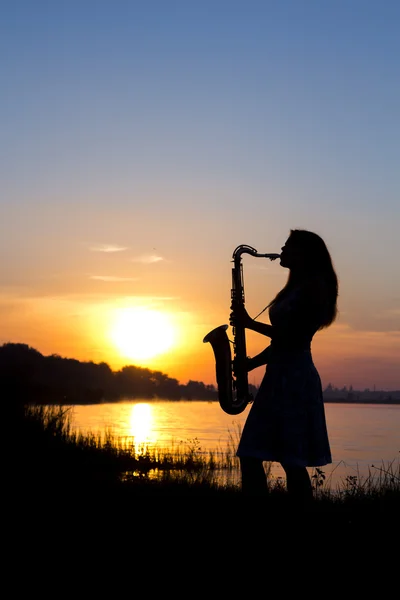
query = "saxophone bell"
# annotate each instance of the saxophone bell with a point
(232, 400)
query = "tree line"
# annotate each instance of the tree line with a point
(32, 377)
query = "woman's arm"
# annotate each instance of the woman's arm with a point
(259, 327)
(259, 360)
(240, 317)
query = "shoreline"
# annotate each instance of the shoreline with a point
(85, 402)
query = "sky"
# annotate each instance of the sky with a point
(142, 142)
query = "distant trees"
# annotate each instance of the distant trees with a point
(367, 396)
(27, 374)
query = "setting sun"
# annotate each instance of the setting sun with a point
(140, 333)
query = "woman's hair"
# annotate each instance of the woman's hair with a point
(318, 276)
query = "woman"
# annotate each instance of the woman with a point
(286, 422)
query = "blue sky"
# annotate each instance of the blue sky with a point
(180, 130)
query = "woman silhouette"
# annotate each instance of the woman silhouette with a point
(286, 423)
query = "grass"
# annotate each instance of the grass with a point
(47, 439)
(62, 470)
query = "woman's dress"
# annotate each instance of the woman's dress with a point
(286, 422)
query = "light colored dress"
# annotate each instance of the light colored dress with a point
(286, 422)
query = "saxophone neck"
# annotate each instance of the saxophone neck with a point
(245, 249)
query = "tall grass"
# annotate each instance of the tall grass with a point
(50, 452)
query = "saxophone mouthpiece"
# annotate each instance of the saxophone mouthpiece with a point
(272, 256)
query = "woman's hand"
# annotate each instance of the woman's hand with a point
(239, 317)
(238, 365)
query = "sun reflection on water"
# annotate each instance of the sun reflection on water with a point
(141, 426)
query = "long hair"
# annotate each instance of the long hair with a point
(319, 275)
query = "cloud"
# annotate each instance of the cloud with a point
(148, 258)
(384, 321)
(112, 278)
(108, 248)
(390, 312)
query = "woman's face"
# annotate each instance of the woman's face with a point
(291, 256)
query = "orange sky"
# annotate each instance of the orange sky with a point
(83, 326)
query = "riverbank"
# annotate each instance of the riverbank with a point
(84, 480)
(144, 522)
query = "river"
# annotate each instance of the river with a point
(364, 437)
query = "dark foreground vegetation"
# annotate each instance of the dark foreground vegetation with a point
(64, 479)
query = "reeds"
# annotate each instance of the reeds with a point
(51, 452)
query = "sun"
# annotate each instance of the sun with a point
(141, 333)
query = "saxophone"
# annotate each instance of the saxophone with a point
(231, 373)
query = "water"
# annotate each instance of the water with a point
(364, 437)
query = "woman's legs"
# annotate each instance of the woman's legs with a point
(298, 484)
(254, 480)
